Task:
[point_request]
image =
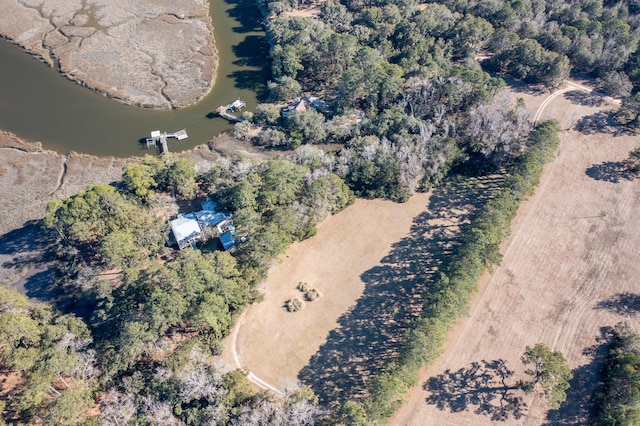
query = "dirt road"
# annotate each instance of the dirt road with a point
(570, 270)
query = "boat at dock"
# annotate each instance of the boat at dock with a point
(223, 110)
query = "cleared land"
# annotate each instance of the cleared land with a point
(275, 344)
(570, 271)
(371, 263)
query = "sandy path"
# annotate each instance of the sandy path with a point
(570, 268)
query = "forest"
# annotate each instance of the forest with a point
(410, 93)
(618, 396)
(416, 85)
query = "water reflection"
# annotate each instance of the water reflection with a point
(38, 104)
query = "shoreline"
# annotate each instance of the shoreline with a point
(154, 98)
(62, 175)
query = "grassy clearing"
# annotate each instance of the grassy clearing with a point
(569, 271)
(371, 264)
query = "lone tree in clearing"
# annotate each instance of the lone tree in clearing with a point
(549, 370)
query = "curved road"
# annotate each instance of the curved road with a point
(266, 386)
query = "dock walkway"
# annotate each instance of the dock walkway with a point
(161, 137)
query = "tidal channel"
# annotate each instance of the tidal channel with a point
(39, 104)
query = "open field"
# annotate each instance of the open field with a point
(570, 271)
(275, 344)
(371, 264)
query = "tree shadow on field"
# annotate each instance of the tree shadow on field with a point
(27, 266)
(610, 171)
(370, 334)
(592, 99)
(40, 283)
(626, 304)
(579, 407)
(602, 122)
(483, 386)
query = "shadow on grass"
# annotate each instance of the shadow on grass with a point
(579, 407)
(602, 122)
(483, 386)
(627, 304)
(26, 246)
(40, 283)
(593, 99)
(370, 334)
(610, 171)
(29, 252)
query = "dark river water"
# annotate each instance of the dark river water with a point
(39, 104)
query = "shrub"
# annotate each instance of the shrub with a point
(302, 286)
(312, 294)
(294, 305)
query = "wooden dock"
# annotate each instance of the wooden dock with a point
(223, 110)
(158, 137)
(161, 137)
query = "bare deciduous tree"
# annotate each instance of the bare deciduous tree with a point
(117, 408)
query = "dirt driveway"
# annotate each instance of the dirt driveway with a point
(275, 344)
(570, 270)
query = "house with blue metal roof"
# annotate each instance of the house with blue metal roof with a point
(189, 228)
(186, 230)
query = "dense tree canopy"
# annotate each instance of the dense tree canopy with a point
(618, 399)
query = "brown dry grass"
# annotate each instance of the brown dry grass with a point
(275, 344)
(570, 270)
(371, 263)
(9, 382)
(32, 177)
(568, 274)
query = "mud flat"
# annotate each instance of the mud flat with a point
(157, 54)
